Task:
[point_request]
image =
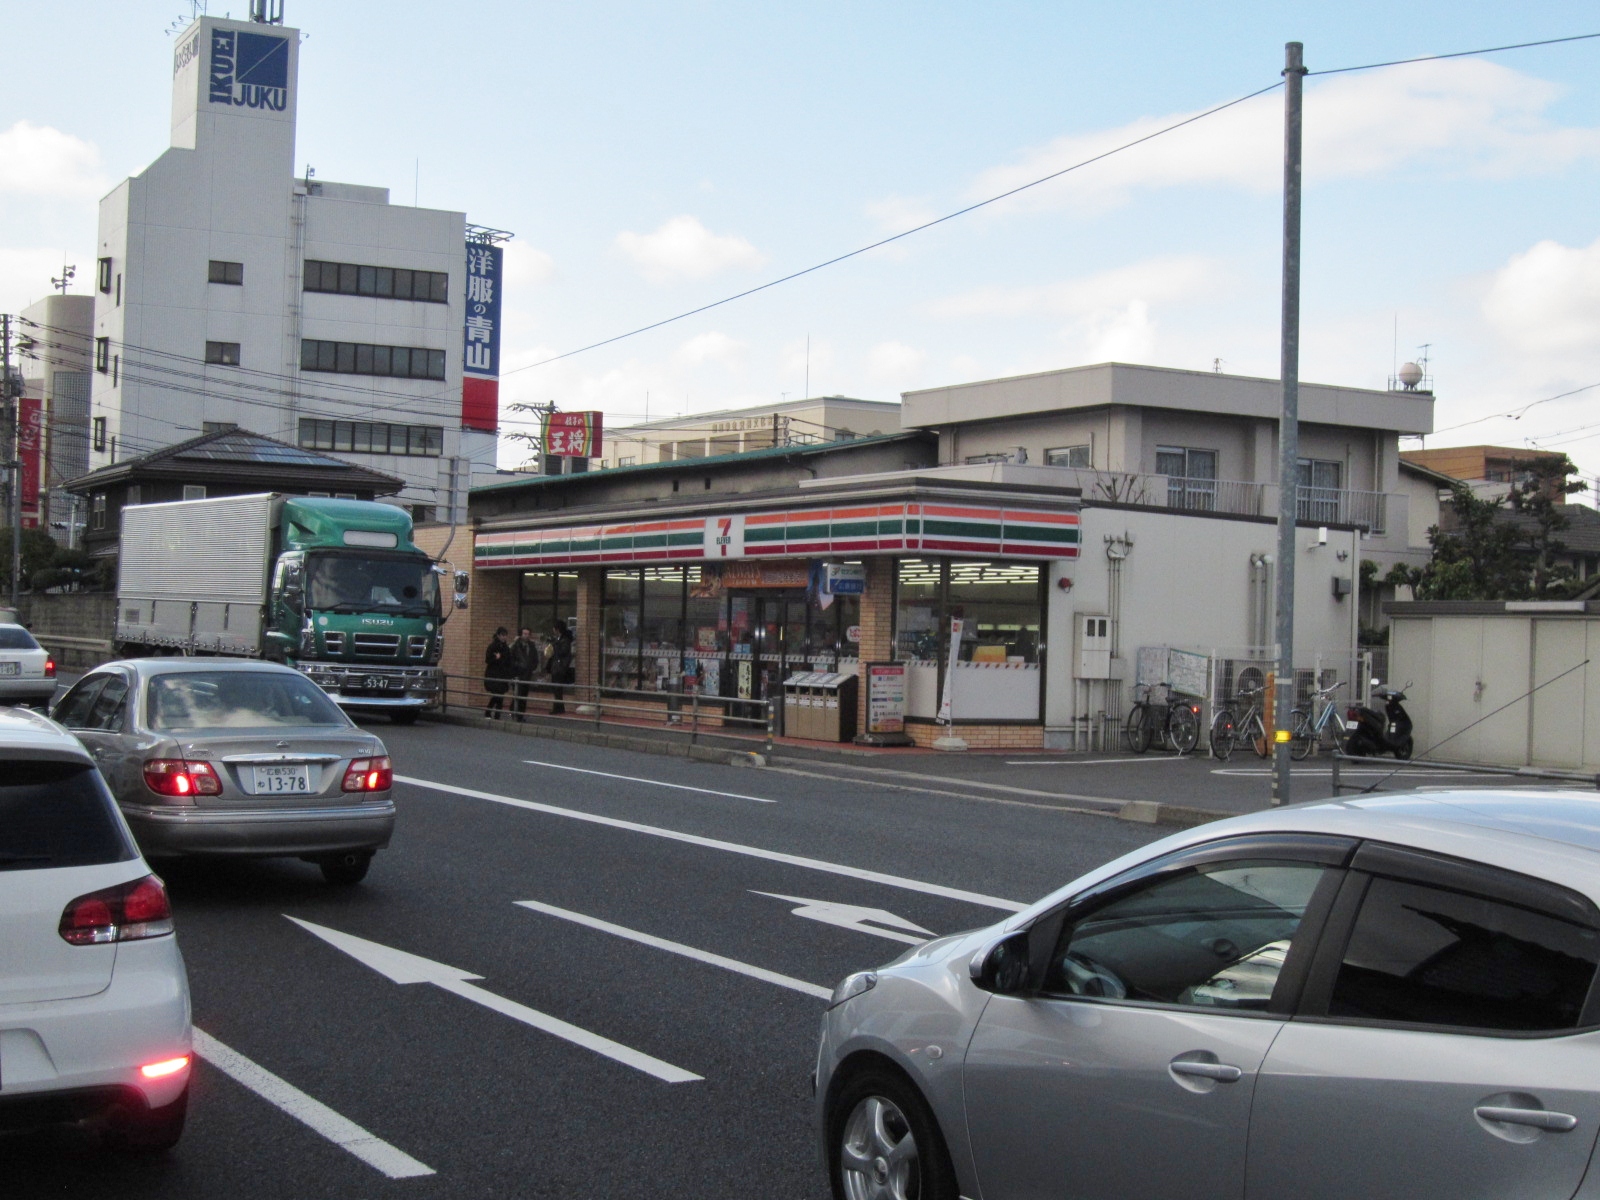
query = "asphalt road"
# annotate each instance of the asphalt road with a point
(461, 1083)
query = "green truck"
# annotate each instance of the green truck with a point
(334, 588)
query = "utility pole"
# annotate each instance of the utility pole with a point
(1288, 423)
(11, 393)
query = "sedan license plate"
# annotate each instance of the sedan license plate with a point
(10, 668)
(284, 780)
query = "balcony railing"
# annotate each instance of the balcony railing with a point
(1314, 505)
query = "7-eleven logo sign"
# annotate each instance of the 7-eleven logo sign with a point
(724, 537)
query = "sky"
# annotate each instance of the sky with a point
(653, 158)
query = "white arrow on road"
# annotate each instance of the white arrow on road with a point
(854, 916)
(401, 967)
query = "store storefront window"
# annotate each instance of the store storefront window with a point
(547, 597)
(619, 633)
(661, 629)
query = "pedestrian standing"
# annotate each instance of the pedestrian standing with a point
(525, 661)
(559, 662)
(497, 674)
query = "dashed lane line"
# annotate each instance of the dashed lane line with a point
(682, 787)
(794, 860)
(705, 956)
(339, 1130)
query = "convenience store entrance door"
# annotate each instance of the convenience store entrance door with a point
(775, 621)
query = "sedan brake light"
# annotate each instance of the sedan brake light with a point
(124, 913)
(49, 668)
(180, 777)
(369, 775)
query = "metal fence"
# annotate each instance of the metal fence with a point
(687, 713)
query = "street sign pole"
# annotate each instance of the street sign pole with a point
(1288, 422)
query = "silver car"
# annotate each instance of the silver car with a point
(27, 672)
(1391, 996)
(234, 757)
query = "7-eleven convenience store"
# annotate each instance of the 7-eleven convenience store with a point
(725, 577)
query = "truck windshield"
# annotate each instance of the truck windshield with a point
(370, 583)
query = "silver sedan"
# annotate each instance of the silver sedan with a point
(1392, 996)
(27, 672)
(234, 757)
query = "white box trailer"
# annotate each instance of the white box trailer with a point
(195, 575)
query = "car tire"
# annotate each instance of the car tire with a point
(347, 868)
(883, 1141)
(148, 1131)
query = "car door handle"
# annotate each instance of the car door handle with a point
(1221, 1072)
(1539, 1118)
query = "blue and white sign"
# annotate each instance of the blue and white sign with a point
(249, 70)
(844, 579)
(482, 354)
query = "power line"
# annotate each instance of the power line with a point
(1400, 62)
(1514, 414)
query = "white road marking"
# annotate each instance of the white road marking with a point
(794, 860)
(682, 787)
(705, 956)
(341, 1131)
(401, 967)
(1092, 762)
(854, 916)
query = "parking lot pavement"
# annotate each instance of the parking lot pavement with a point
(577, 972)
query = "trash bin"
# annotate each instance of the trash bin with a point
(835, 719)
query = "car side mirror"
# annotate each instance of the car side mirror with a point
(1002, 966)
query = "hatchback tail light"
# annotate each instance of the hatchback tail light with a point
(167, 1066)
(369, 775)
(124, 913)
(180, 777)
(49, 668)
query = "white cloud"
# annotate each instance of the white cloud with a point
(36, 160)
(1547, 300)
(684, 248)
(1462, 117)
(895, 362)
(527, 266)
(710, 346)
(896, 214)
(1155, 280)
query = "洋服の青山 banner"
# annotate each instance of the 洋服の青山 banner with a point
(480, 359)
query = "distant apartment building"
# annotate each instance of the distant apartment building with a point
(760, 427)
(56, 369)
(230, 292)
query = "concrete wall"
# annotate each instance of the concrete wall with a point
(1458, 669)
(75, 615)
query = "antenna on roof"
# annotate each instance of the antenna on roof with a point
(266, 12)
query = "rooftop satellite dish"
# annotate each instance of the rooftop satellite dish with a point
(1409, 376)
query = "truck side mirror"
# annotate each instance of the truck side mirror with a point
(463, 579)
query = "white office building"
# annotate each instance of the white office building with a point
(229, 291)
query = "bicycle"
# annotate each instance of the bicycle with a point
(1176, 721)
(1308, 734)
(1226, 729)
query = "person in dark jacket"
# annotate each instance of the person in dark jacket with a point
(525, 663)
(497, 674)
(559, 662)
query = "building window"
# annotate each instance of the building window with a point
(103, 276)
(119, 289)
(194, 491)
(1067, 456)
(627, 461)
(388, 283)
(102, 354)
(99, 433)
(353, 358)
(97, 511)
(116, 369)
(226, 272)
(223, 353)
(1191, 476)
(1317, 498)
(372, 437)
(217, 426)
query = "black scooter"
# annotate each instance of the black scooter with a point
(1370, 732)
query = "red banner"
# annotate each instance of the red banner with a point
(480, 403)
(573, 435)
(30, 444)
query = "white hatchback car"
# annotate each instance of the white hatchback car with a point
(27, 672)
(94, 999)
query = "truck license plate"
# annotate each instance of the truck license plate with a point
(10, 668)
(285, 780)
(378, 683)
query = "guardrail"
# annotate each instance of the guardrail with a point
(687, 713)
(1339, 756)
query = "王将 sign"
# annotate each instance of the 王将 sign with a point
(573, 435)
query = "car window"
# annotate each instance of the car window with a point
(15, 637)
(73, 711)
(1436, 956)
(1213, 936)
(106, 712)
(57, 814)
(196, 700)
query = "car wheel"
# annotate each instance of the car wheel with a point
(884, 1143)
(347, 868)
(148, 1131)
